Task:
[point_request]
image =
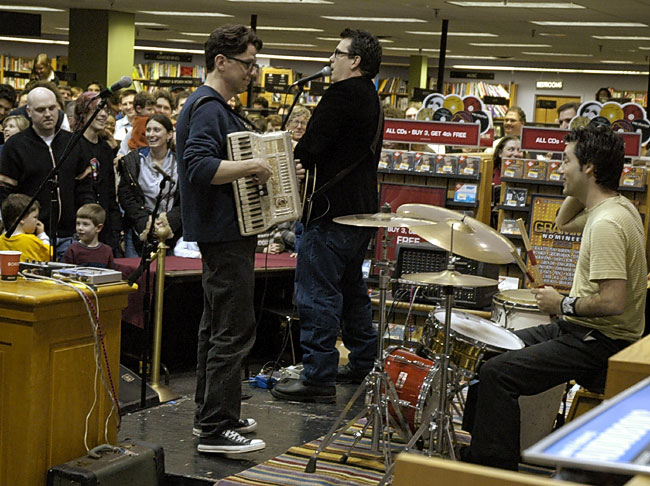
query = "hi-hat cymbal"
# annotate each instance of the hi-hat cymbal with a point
(471, 238)
(451, 278)
(381, 220)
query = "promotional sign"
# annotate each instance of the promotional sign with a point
(453, 108)
(556, 251)
(443, 133)
(541, 139)
(396, 195)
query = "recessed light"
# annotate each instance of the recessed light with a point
(288, 29)
(373, 19)
(454, 34)
(586, 24)
(184, 14)
(497, 44)
(507, 4)
(30, 40)
(286, 44)
(282, 1)
(30, 9)
(150, 24)
(557, 54)
(622, 37)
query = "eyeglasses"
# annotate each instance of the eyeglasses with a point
(298, 123)
(337, 52)
(249, 65)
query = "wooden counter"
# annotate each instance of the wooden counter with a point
(628, 366)
(47, 375)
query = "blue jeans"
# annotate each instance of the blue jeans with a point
(331, 294)
(62, 245)
(226, 331)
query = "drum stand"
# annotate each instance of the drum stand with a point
(380, 394)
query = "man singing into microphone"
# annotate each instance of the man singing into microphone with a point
(343, 142)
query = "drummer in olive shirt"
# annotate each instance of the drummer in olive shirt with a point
(603, 314)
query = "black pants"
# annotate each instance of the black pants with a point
(555, 353)
(226, 331)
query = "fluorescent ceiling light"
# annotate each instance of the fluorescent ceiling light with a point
(30, 9)
(183, 40)
(286, 44)
(282, 1)
(62, 28)
(184, 14)
(411, 49)
(622, 37)
(372, 19)
(196, 34)
(168, 49)
(644, 48)
(550, 34)
(454, 34)
(549, 70)
(507, 4)
(288, 29)
(586, 24)
(558, 54)
(472, 57)
(34, 40)
(150, 24)
(616, 62)
(497, 44)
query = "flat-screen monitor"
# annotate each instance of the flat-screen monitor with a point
(613, 437)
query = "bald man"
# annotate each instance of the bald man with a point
(28, 157)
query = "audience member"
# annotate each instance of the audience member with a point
(412, 110)
(89, 251)
(140, 182)
(163, 103)
(262, 105)
(143, 105)
(27, 160)
(29, 237)
(513, 121)
(7, 100)
(124, 123)
(298, 122)
(42, 70)
(273, 123)
(180, 100)
(508, 147)
(99, 156)
(279, 238)
(76, 91)
(603, 95)
(565, 114)
(62, 121)
(107, 134)
(94, 87)
(66, 93)
(12, 125)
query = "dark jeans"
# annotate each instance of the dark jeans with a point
(331, 293)
(555, 353)
(226, 331)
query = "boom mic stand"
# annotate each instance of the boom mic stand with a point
(52, 181)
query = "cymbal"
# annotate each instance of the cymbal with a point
(381, 220)
(471, 238)
(451, 278)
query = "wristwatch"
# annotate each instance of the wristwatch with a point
(569, 306)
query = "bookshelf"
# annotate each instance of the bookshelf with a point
(146, 75)
(487, 92)
(15, 71)
(639, 97)
(393, 92)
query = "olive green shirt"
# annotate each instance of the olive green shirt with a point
(613, 248)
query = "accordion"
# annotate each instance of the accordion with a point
(278, 200)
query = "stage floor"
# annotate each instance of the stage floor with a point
(281, 425)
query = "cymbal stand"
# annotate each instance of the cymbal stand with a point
(380, 394)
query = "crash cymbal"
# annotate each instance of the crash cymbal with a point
(381, 220)
(471, 238)
(451, 278)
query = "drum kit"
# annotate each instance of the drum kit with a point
(409, 394)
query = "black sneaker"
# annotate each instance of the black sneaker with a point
(244, 426)
(347, 374)
(229, 442)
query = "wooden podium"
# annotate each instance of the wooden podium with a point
(47, 375)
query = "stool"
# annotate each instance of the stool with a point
(288, 316)
(583, 401)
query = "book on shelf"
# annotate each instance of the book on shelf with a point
(510, 227)
(515, 197)
(513, 168)
(465, 192)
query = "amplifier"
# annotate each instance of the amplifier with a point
(425, 257)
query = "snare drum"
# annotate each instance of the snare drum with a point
(417, 382)
(517, 309)
(470, 337)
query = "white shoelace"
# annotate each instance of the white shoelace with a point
(235, 436)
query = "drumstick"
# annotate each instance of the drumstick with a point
(531, 255)
(522, 266)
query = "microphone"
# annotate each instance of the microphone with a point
(124, 82)
(326, 71)
(164, 174)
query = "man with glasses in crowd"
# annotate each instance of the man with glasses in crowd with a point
(227, 327)
(342, 141)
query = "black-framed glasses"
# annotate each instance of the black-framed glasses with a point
(248, 65)
(337, 52)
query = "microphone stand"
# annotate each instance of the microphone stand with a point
(53, 183)
(147, 303)
(301, 88)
